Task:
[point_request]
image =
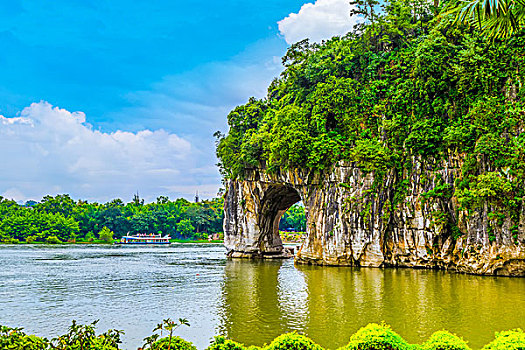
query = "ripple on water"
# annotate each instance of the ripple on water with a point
(133, 288)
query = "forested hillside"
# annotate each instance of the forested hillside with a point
(60, 218)
(410, 83)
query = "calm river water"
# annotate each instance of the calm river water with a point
(133, 288)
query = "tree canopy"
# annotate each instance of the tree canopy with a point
(60, 218)
(406, 82)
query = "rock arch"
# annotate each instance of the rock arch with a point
(252, 218)
(351, 221)
(275, 202)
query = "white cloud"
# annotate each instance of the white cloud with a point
(196, 104)
(15, 120)
(318, 21)
(48, 150)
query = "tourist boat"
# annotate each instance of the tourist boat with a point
(144, 238)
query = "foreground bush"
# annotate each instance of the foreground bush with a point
(444, 340)
(293, 341)
(377, 337)
(508, 340)
(371, 337)
(173, 343)
(154, 342)
(78, 337)
(221, 343)
(14, 338)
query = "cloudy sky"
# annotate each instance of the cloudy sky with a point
(104, 98)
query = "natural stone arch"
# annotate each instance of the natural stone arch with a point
(276, 200)
(252, 214)
(351, 220)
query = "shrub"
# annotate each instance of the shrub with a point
(170, 342)
(15, 338)
(221, 343)
(106, 235)
(292, 341)
(371, 155)
(377, 337)
(444, 340)
(84, 337)
(53, 240)
(90, 237)
(489, 187)
(508, 340)
(176, 343)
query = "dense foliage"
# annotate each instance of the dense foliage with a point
(495, 18)
(404, 86)
(78, 337)
(60, 219)
(375, 336)
(371, 337)
(171, 342)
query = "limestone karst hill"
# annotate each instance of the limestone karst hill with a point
(404, 140)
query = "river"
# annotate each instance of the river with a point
(43, 288)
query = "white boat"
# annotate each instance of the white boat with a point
(144, 238)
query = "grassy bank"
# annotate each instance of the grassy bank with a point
(371, 337)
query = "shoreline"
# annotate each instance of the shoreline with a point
(173, 241)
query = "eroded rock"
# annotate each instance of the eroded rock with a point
(351, 221)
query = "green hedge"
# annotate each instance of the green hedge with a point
(508, 340)
(176, 343)
(372, 337)
(444, 340)
(376, 337)
(292, 341)
(221, 343)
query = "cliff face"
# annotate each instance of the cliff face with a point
(353, 220)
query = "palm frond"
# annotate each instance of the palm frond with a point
(495, 18)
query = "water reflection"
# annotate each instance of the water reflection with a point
(133, 288)
(250, 300)
(263, 299)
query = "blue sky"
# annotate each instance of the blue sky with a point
(101, 99)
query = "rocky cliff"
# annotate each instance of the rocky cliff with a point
(355, 219)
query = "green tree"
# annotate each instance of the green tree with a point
(185, 228)
(106, 235)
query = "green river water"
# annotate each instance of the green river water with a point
(43, 288)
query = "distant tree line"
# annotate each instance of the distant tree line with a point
(61, 218)
(294, 219)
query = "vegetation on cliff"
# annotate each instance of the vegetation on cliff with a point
(371, 337)
(411, 84)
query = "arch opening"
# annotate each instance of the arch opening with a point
(276, 201)
(292, 225)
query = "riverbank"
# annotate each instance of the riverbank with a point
(371, 337)
(180, 241)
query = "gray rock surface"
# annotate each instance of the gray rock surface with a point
(351, 221)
